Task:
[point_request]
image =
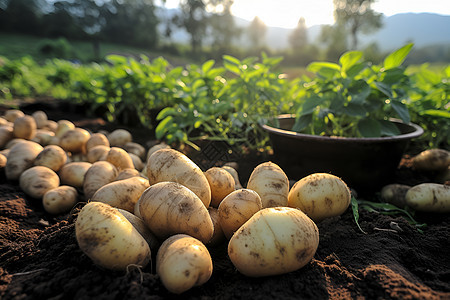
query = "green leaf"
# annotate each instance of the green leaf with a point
(356, 69)
(355, 211)
(116, 59)
(397, 57)
(165, 112)
(162, 127)
(384, 88)
(355, 109)
(310, 104)
(349, 59)
(302, 122)
(325, 69)
(436, 113)
(207, 66)
(232, 60)
(388, 128)
(401, 110)
(369, 128)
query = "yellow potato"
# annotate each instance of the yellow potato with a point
(99, 174)
(60, 200)
(221, 183)
(119, 158)
(40, 118)
(136, 149)
(218, 235)
(20, 158)
(73, 173)
(395, 194)
(127, 173)
(62, 127)
(6, 135)
(119, 137)
(234, 173)
(320, 196)
(97, 153)
(429, 197)
(156, 148)
(43, 137)
(38, 180)
(109, 239)
(183, 262)
(12, 114)
(74, 140)
(271, 184)
(53, 157)
(432, 160)
(274, 241)
(97, 139)
(137, 162)
(24, 128)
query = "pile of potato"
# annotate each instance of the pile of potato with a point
(159, 201)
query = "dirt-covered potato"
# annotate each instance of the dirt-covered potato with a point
(99, 174)
(24, 128)
(218, 235)
(43, 137)
(74, 140)
(221, 183)
(136, 149)
(234, 173)
(395, 194)
(6, 135)
(123, 193)
(20, 158)
(236, 209)
(53, 157)
(97, 153)
(271, 184)
(127, 173)
(73, 173)
(320, 196)
(155, 148)
(119, 137)
(172, 165)
(60, 200)
(109, 239)
(97, 139)
(274, 241)
(429, 197)
(432, 160)
(169, 208)
(12, 114)
(119, 158)
(38, 180)
(41, 118)
(183, 262)
(62, 127)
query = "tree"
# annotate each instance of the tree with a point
(223, 27)
(356, 15)
(335, 39)
(257, 32)
(299, 36)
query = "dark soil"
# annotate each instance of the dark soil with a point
(40, 258)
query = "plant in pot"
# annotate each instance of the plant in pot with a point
(343, 122)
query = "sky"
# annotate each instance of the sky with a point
(286, 13)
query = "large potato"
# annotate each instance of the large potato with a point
(119, 158)
(60, 200)
(38, 180)
(395, 194)
(99, 174)
(320, 196)
(73, 173)
(123, 193)
(20, 158)
(24, 128)
(271, 184)
(221, 183)
(183, 262)
(109, 239)
(119, 138)
(97, 153)
(432, 160)
(74, 140)
(53, 157)
(155, 148)
(62, 127)
(97, 139)
(429, 197)
(169, 208)
(236, 209)
(274, 241)
(172, 165)
(6, 135)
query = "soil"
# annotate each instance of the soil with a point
(40, 257)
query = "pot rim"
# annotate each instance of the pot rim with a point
(418, 131)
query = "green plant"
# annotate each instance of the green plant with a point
(354, 98)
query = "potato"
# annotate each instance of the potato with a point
(137, 162)
(3, 160)
(320, 196)
(24, 128)
(156, 148)
(127, 173)
(274, 241)
(119, 158)
(236, 209)
(78, 157)
(63, 127)
(432, 160)
(97, 139)
(38, 180)
(20, 158)
(51, 126)
(140, 226)
(123, 193)
(4, 122)
(6, 135)
(221, 183)
(172, 165)
(429, 197)
(74, 140)
(60, 200)
(13, 142)
(218, 235)
(395, 194)
(12, 114)
(98, 175)
(183, 262)
(119, 137)
(40, 118)
(136, 149)
(109, 239)
(169, 208)
(97, 153)
(73, 173)
(234, 173)
(43, 137)
(271, 184)
(53, 157)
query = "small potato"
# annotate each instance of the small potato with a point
(40, 118)
(218, 235)
(169, 208)
(172, 165)
(234, 173)
(63, 127)
(320, 196)
(119, 137)
(156, 148)
(74, 140)
(6, 135)
(274, 241)
(43, 137)
(183, 262)
(20, 158)
(236, 209)
(97, 139)
(221, 183)
(109, 239)
(395, 194)
(271, 184)
(60, 200)
(432, 160)
(135, 149)
(53, 157)
(429, 197)
(127, 173)
(123, 193)
(137, 162)
(98, 175)
(38, 180)
(24, 128)
(97, 153)
(12, 114)
(73, 173)
(51, 126)
(119, 158)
